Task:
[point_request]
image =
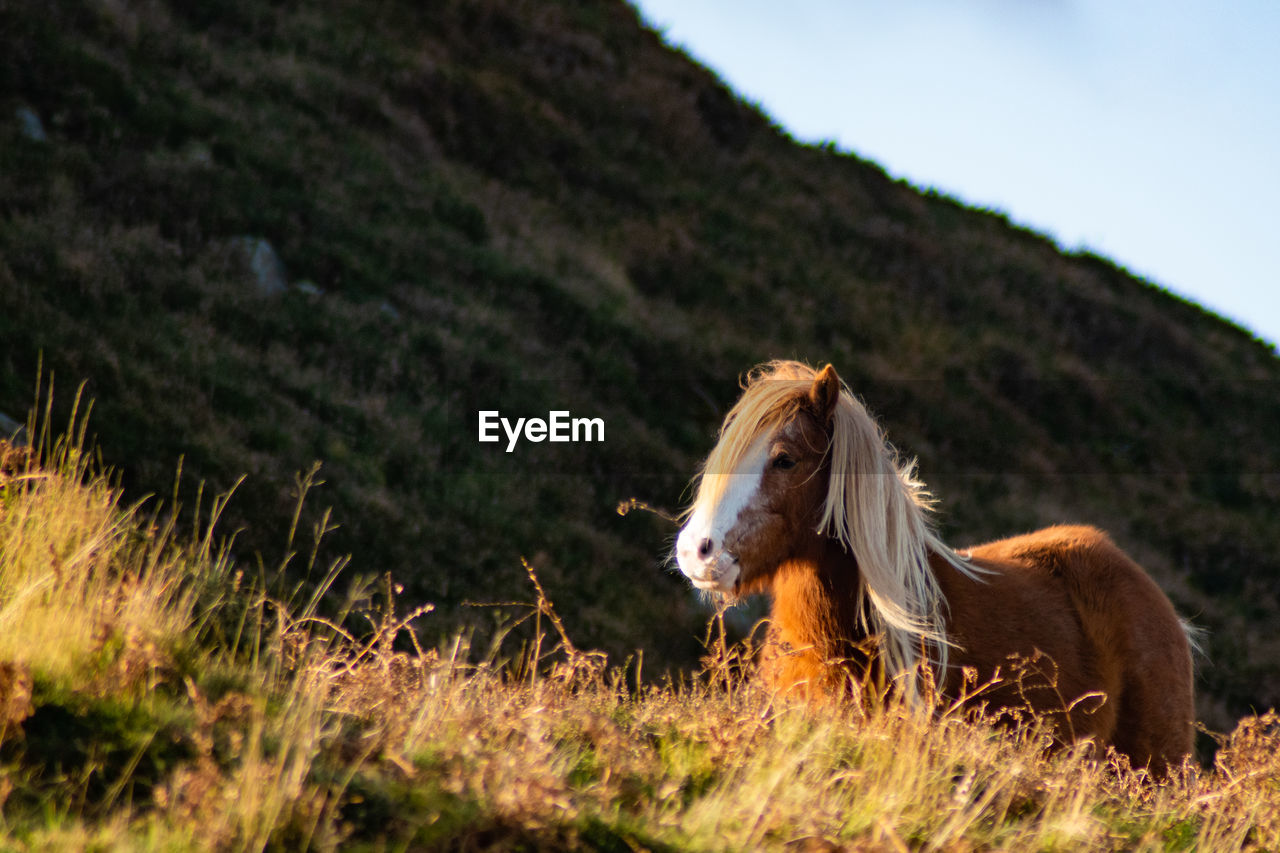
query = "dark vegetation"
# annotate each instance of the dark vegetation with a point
(529, 206)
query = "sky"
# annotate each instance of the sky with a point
(1147, 132)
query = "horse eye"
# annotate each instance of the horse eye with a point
(783, 461)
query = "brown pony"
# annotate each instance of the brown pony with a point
(803, 498)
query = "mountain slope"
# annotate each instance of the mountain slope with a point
(538, 206)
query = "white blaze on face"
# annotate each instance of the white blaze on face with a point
(700, 548)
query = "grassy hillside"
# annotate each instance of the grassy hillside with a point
(530, 206)
(185, 708)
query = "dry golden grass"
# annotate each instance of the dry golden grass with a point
(82, 576)
(292, 732)
(717, 764)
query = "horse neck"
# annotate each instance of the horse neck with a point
(816, 600)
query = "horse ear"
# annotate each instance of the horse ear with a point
(824, 394)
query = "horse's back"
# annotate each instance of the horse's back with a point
(1080, 600)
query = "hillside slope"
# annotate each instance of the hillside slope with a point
(533, 206)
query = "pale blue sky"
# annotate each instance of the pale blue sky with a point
(1146, 131)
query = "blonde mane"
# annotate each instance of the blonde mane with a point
(768, 401)
(875, 506)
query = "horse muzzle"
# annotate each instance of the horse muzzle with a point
(708, 568)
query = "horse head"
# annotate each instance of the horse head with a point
(762, 490)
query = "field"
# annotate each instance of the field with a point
(154, 695)
(278, 595)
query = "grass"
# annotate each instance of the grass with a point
(151, 698)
